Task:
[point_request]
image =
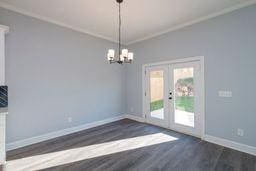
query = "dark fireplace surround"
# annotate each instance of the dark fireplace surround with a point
(3, 96)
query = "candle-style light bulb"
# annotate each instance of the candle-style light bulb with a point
(122, 57)
(111, 54)
(125, 52)
(130, 56)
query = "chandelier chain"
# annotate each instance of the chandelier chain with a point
(120, 23)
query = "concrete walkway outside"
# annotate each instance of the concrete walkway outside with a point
(181, 117)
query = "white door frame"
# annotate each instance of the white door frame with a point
(3, 31)
(202, 83)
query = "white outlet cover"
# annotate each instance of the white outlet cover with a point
(225, 93)
(70, 119)
(240, 132)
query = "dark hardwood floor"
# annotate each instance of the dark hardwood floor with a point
(128, 145)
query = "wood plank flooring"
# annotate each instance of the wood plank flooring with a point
(128, 145)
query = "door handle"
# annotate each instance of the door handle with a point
(170, 96)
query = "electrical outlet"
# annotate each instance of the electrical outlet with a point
(240, 132)
(131, 109)
(70, 119)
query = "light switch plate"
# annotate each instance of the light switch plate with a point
(225, 93)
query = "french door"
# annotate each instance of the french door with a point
(157, 98)
(173, 96)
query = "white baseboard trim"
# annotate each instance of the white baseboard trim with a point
(231, 144)
(48, 136)
(216, 140)
(29, 141)
(135, 118)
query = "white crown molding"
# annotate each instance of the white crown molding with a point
(6, 29)
(222, 12)
(31, 14)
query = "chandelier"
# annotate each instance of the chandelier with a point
(123, 56)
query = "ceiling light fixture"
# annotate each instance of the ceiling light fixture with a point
(123, 56)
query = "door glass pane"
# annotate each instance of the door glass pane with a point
(184, 96)
(157, 94)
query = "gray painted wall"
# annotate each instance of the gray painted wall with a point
(54, 73)
(228, 43)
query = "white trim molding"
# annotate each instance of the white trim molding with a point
(49, 20)
(230, 144)
(135, 118)
(178, 60)
(212, 139)
(173, 28)
(51, 135)
(198, 20)
(48, 136)
(2, 137)
(6, 29)
(3, 30)
(29, 141)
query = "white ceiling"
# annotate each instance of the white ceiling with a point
(141, 18)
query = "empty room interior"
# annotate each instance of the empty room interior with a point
(138, 85)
